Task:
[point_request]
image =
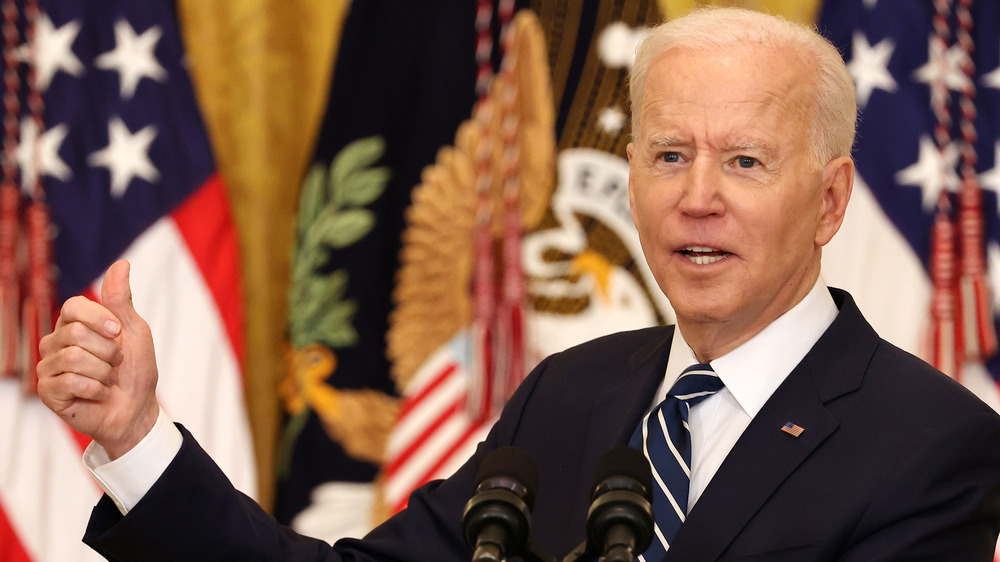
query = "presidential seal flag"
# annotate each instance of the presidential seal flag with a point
(106, 134)
(483, 292)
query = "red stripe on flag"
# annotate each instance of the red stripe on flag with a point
(426, 434)
(11, 549)
(81, 440)
(412, 401)
(206, 225)
(427, 475)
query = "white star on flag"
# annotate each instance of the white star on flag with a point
(992, 80)
(126, 156)
(611, 120)
(617, 43)
(991, 180)
(48, 153)
(133, 57)
(53, 51)
(945, 65)
(869, 67)
(931, 173)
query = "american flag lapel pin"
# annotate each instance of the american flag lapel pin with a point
(792, 429)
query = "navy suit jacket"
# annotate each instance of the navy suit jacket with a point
(896, 462)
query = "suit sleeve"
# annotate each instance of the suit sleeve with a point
(942, 504)
(194, 513)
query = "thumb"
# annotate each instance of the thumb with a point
(116, 294)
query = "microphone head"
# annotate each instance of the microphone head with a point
(617, 467)
(497, 519)
(511, 468)
(621, 514)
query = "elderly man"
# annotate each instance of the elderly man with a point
(789, 431)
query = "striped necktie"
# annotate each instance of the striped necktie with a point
(664, 437)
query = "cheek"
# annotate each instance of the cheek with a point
(785, 219)
(646, 213)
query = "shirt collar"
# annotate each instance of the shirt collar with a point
(755, 369)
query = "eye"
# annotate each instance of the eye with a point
(671, 157)
(746, 161)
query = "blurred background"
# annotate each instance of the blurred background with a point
(355, 226)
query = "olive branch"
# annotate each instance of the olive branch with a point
(332, 216)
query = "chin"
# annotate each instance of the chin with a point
(702, 310)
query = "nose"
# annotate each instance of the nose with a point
(701, 195)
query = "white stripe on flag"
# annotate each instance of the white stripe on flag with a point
(46, 490)
(409, 475)
(434, 452)
(870, 259)
(423, 413)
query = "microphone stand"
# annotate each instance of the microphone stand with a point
(532, 553)
(581, 554)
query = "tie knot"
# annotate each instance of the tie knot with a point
(695, 384)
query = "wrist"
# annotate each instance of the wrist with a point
(133, 434)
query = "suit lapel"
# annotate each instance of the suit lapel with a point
(765, 456)
(631, 393)
(760, 461)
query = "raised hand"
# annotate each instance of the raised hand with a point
(98, 368)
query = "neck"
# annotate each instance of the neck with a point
(711, 339)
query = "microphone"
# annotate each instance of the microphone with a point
(620, 520)
(497, 521)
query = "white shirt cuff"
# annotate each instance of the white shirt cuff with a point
(127, 479)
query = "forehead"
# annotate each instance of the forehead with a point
(753, 91)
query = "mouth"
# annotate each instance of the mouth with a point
(703, 255)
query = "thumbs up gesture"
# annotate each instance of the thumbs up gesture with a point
(98, 369)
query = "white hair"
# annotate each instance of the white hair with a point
(716, 29)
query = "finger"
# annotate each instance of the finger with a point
(61, 391)
(74, 359)
(78, 334)
(94, 315)
(116, 293)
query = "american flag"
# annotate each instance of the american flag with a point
(883, 252)
(792, 429)
(127, 171)
(434, 434)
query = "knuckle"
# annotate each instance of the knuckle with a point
(71, 304)
(75, 355)
(43, 369)
(77, 331)
(87, 388)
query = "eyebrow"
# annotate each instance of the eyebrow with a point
(736, 146)
(749, 145)
(666, 142)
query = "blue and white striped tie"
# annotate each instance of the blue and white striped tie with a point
(665, 439)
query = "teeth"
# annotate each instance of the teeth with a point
(700, 249)
(703, 260)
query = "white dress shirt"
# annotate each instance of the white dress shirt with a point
(750, 372)
(127, 479)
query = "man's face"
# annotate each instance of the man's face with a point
(730, 206)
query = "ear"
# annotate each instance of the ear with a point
(629, 150)
(838, 182)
